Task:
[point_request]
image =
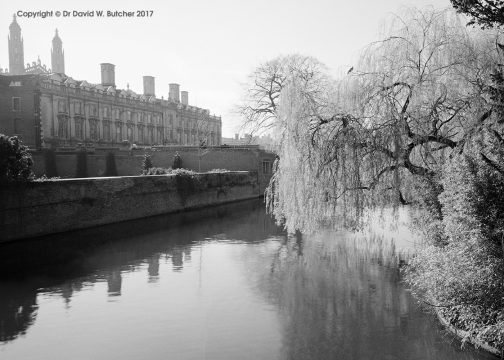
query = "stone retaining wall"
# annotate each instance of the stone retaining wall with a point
(39, 208)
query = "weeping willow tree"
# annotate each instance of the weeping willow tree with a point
(382, 133)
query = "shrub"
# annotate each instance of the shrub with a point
(44, 178)
(177, 161)
(146, 164)
(15, 160)
(465, 275)
(157, 171)
(182, 172)
(169, 171)
(110, 165)
(219, 171)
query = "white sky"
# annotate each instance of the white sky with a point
(207, 46)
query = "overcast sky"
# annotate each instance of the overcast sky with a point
(207, 46)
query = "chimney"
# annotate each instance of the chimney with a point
(184, 97)
(236, 136)
(149, 86)
(107, 74)
(174, 92)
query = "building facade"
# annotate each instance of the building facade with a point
(47, 108)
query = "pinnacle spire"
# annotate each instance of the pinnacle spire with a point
(14, 26)
(16, 52)
(57, 54)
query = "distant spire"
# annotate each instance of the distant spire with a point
(127, 86)
(57, 54)
(16, 52)
(14, 25)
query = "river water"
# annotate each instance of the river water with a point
(220, 283)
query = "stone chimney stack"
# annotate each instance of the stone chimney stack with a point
(107, 74)
(174, 92)
(149, 86)
(184, 95)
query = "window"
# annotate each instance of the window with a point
(106, 112)
(130, 133)
(78, 108)
(94, 133)
(62, 106)
(92, 110)
(106, 130)
(16, 104)
(79, 133)
(141, 134)
(63, 128)
(118, 132)
(266, 167)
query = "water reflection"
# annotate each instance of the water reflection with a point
(18, 309)
(221, 283)
(335, 305)
(340, 296)
(63, 263)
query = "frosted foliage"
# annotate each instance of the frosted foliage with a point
(302, 188)
(362, 141)
(434, 60)
(294, 174)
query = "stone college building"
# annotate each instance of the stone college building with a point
(47, 108)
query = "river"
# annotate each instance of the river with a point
(219, 283)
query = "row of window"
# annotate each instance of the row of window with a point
(109, 130)
(128, 115)
(143, 135)
(114, 132)
(115, 113)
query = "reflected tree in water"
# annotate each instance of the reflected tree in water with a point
(342, 299)
(18, 309)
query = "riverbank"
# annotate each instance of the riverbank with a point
(40, 208)
(465, 336)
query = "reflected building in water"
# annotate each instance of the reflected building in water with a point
(114, 282)
(54, 265)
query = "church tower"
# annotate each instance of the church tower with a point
(57, 55)
(16, 52)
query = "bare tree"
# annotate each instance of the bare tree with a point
(259, 108)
